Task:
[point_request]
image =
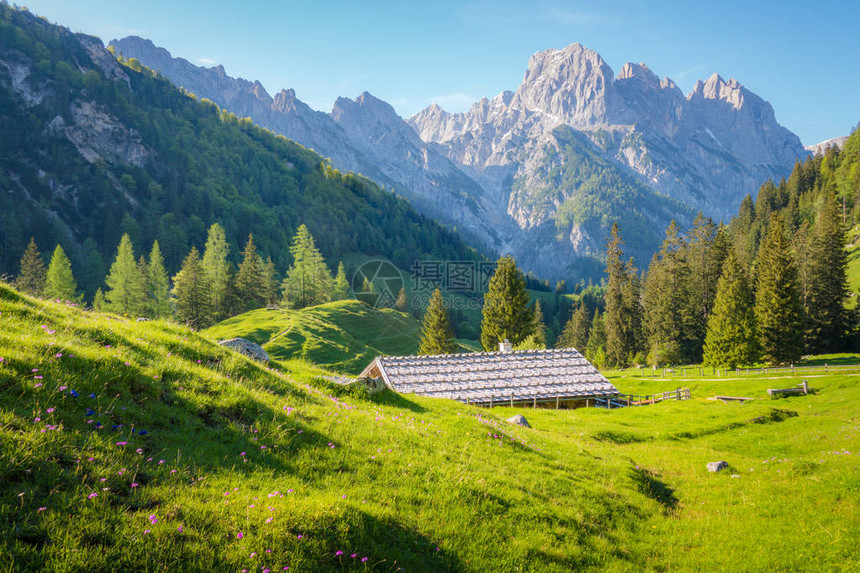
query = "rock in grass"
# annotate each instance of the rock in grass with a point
(246, 347)
(717, 466)
(519, 420)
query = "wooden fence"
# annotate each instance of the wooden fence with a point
(682, 371)
(628, 400)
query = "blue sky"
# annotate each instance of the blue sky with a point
(800, 57)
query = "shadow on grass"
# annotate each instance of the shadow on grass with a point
(617, 437)
(650, 485)
(395, 400)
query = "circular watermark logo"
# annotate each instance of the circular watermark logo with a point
(377, 283)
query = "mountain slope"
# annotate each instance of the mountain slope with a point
(144, 446)
(92, 149)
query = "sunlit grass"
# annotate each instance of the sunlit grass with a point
(206, 461)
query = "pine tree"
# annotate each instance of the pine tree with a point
(623, 317)
(595, 349)
(402, 302)
(707, 247)
(506, 311)
(308, 280)
(59, 281)
(158, 285)
(437, 336)
(340, 287)
(99, 302)
(731, 338)
(31, 279)
(538, 327)
(193, 303)
(665, 301)
(124, 281)
(576, 331)
(778, 310)
(250, 284)
(828, 288)
(215, 267)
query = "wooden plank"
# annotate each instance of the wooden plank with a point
(733, 398)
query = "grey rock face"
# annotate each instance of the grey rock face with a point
(246, 347)
(715, 467)
(518, 420)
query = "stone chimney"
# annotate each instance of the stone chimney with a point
(505, 346)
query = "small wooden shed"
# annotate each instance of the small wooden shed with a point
(560, 378)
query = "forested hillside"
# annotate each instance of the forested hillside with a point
(93, 149)
(770, 286)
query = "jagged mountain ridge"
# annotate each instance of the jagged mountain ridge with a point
(707, 149)
(502, 176)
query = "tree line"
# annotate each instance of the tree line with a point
(208, 288)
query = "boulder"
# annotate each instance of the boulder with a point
(519, 420)
(246, 347)
(714, 467)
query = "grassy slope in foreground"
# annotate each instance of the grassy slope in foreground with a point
(344, 335)
(143, 446)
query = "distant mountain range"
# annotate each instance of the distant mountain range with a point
(544, 171)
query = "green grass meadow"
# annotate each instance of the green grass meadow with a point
(130, 446)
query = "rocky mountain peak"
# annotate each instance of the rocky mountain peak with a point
(716, 88)
(574, 84)
(640, 71)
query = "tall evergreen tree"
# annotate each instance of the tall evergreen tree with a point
(506, 311)
(665, 301)
(707, 247)
(576, 331)
(31, 279)
(59, 281)
(595, 349)
(731, 338)
(250, 280)
(158, 285)
(437, 336)
(340, 287)
(216, 268)
(124, 281)
(270, 282)
(825, 311)
(538, 326)
(778, 310)
(308, 280)
(193, 303)
(623, 317)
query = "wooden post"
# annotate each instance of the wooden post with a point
(534, 403)
(491, 401)
(628, 400)
(608, 404)
(512, 399)
(556, 402)
(805, 387)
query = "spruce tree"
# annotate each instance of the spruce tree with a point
(124, 281)
(158, 285)
(595, 349)
(506, 312)
(826, 315)
(623, 317)
(308, 280)
(437, 336)
(538, 327)
(340, 287)
(193, 302)
(215, 267)
(731, 338)
(59, 281)
(707, 247)
(778, 310)
(31, 279)
(576, 331)
(250, 282)
(665, 301)
(99, 302)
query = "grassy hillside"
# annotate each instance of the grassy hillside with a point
(344, 335)
(145, 447)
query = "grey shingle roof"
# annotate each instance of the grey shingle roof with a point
(479, 376)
